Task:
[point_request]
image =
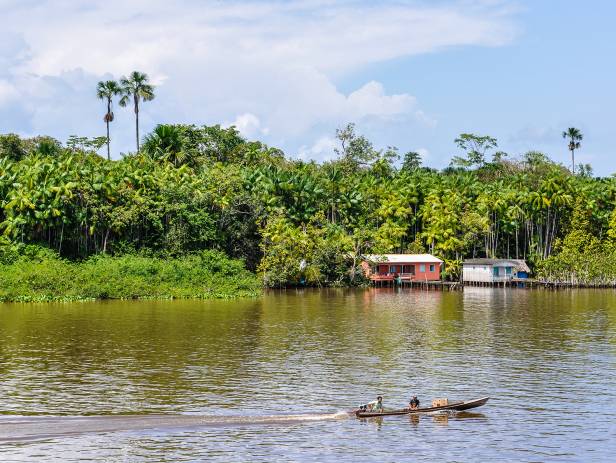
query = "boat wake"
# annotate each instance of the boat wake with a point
(20, 429)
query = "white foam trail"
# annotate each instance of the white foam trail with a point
(45, 427)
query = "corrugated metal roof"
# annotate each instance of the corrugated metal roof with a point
(402, 258)
(519, 264)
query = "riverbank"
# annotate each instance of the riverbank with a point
(207, 275)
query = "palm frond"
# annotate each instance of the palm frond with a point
(146, 92)
(136, 84)
(107, 89)
(573, 133)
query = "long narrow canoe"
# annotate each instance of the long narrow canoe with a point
(457, 406)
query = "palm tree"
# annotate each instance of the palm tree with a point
(166, 143)
(136, 86)
(106, 91)
(575, 136)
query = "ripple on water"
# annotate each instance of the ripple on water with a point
(548, 359)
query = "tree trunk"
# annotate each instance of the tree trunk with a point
(554, 231)
(105, 241)
(107, 121)
(61, 238)
(547, 235)
(137, 122)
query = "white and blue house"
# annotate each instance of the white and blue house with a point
(494, 270)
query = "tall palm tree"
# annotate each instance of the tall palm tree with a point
(137, 87)
(575, 137)
(106, 90)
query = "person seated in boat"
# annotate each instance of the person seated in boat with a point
(378, 406)
(414, 403)
(375, 405)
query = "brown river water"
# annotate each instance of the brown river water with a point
(272, 379)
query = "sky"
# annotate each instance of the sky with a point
(409, 73)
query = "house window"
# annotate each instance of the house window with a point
(508, 270)
(408, 269)
(495, 271)
(432, 267)
(422, 267)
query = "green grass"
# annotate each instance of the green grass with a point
(208, 275)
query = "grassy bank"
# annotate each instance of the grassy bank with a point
(207, 275)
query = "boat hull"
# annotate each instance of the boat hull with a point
(455, 406)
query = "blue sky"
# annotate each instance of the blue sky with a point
(413, 74)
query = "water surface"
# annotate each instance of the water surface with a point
(270, 379)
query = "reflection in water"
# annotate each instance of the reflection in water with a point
(376, 421)
(441, 419)
(315, 352)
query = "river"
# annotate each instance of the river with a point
(271, 379)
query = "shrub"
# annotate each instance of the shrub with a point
(42, 276)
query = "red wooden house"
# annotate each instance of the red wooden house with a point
(408, 267)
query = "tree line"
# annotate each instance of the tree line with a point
(188, 188)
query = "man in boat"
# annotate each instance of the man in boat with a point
(414, 403)
(378, 405)
(374, 406)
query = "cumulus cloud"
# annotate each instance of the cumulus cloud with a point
(371, 100)
(322, 149)
(248, 125)
(270, 66)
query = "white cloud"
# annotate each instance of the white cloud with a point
(426, 120)
(322, 149)
(248, 125)
(371, 100)
(270, 65)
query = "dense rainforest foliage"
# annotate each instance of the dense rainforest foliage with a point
(191, 189)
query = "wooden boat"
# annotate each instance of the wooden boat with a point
(456, 406)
